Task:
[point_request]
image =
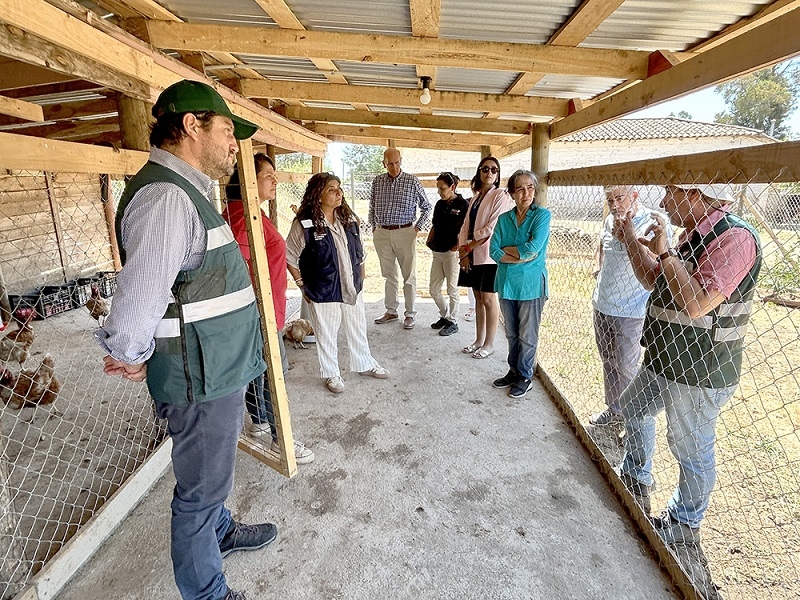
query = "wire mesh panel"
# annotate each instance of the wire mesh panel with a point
(750, 533)
(69, 435)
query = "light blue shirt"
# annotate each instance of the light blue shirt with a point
(618, 293)
(526, 280)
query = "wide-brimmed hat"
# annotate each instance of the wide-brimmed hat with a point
(193, 96)
(714, 192)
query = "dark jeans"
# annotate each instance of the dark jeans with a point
(204, 437)
(258, 399)
(522, 319)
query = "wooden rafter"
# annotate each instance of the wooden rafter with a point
(623, 64)
(20, 109)
(357, 117)
(468, 139)
(253, 88)
(770, 43)
(118, 56)
(401, 143)
(72, 110)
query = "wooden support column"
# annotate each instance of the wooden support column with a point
(55, 213)
(269, 327)
(540, 159)
(134, 123)
(392, 143)
(486, 151)
(109, 211)
(316, 164)
(272, 208)
(269, 150)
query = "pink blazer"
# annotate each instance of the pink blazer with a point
(495, 203)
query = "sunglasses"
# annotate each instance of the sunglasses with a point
(492, 170)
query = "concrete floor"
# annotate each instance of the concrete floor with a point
(430, 484)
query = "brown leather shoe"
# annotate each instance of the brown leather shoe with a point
(386, 318)
(409, 323)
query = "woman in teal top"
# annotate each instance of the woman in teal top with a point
(518, 247)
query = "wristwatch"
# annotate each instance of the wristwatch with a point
(667, 254)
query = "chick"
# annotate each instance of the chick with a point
(29, 387)
(98, 307)
(296, 331)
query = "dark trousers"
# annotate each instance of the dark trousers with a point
(204, 437)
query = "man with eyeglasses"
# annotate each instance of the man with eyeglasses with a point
(393, 206)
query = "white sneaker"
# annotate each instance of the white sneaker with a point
(259, 430)
(378, 372)
(302, 455)
(469, 315)
(335, 384)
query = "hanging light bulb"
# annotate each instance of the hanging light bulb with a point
(425, 96)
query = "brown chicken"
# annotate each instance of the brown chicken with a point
(297, 330)
(14, 346)
(98, 307)
(29, 387)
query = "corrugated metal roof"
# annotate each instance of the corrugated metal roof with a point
(232, 12)
(482, 81)
(288, 69)
(458, 113)
(668, 24)
(368, 73)
(571, 86)
(336, 105)
(504, 20)
(661, 128)
(394, 109)
(390, 17)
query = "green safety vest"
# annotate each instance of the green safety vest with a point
(208, 343)
(707, 351)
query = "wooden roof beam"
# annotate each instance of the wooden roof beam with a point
(124, 63)
(623, 64)
(384, 142)
(773, 42)
(358, 117)
(19, 109)
(468, 139)
(71, 110)
(533, 105)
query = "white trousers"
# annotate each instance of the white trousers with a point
(397, 247)
(327, 317)
(444, 266)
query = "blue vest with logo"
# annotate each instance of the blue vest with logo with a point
(319, 262)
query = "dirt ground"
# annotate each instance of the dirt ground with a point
(430, 484)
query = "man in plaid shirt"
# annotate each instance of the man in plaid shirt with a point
(392, 212)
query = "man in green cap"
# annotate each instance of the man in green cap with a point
(185, 320)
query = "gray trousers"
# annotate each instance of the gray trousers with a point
(619, 343)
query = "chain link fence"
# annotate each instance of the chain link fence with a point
(751, 532)
(69, 435)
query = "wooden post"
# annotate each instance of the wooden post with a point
(316, 164)
(486, 151)
(540, 159)
(269, 327)
(134, 125)
(272, 209)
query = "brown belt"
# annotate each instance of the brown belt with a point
(395, 226)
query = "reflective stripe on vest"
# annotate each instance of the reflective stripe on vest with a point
(205, 309)
(218, 237)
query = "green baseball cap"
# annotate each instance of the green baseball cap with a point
(193, 96)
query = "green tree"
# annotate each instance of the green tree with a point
(296, 162)
(763, 100)
(682, 115)
(362, 159)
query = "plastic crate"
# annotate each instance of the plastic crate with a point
(81, 290)
(107, 283)
(23, 303)
(55, 299)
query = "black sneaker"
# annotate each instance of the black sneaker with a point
(520, 388)
(440, 323)
(231, 595)
(673, 532)
(639, 491)
(506, 380)
(247, 537)
(449, 329)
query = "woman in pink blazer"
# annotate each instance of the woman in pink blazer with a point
(477, 269)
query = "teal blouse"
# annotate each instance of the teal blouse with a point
(526, 280)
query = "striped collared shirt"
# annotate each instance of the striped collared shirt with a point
(394, 201)
(162, 234)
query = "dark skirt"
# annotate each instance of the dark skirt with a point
(479, 277)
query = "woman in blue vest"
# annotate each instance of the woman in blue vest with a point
(326, 258)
